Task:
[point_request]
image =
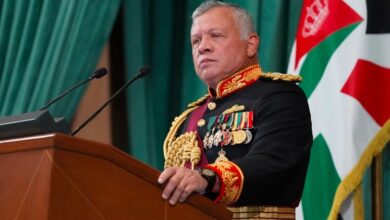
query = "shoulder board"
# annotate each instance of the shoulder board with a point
(200, 101)
(282, 77)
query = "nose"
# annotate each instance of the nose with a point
(205, 45)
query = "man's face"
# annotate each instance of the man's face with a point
(217, 48)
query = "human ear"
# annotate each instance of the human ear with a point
(253, 45)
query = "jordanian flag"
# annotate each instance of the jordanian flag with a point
(342, 51)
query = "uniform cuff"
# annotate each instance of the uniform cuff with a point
(231, 179)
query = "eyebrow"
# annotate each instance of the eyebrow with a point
(208, 31)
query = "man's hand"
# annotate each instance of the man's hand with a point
(182, 182)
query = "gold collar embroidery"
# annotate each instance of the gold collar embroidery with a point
(237, 81)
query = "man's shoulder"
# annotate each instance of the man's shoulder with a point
(274, 82)
(270, 87)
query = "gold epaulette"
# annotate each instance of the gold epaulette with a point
(198, 102)
(177, 122)
(282, 77)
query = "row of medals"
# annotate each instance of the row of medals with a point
(223, 136)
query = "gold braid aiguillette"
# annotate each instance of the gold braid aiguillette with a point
(173, 147)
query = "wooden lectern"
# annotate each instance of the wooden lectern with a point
(59, 177)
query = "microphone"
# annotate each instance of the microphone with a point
(96, 75)
(141, 73)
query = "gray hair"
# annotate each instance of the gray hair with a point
(243, 19)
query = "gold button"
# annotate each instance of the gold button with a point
(211, 105)
(201, 122)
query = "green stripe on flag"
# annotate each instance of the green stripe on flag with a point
(321, 182)
(317, 59)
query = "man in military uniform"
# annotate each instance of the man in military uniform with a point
(247, 142)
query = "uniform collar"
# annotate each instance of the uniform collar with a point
(236, 81)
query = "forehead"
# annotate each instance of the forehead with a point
(215, 18)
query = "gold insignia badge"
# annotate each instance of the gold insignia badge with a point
(234, 108)
(221, 156)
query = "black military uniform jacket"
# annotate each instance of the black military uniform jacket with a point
(256, 135)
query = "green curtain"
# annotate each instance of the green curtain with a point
(46, 46)
(157, 33)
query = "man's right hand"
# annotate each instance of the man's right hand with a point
(182, 182)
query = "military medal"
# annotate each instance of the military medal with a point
(248, 136)
(239, 136)
(206, 140)
(226, 138)
(225, 135)
(220, 126)
(249, 124)
(217, 138)
(233, 127)
(210, 139)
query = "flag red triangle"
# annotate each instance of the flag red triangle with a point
(369, 83)
(319, 19)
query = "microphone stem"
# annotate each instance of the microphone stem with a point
(63, 94)
(105, 104)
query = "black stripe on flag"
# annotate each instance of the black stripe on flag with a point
(378, 21)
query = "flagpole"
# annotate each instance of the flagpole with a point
(377, 188)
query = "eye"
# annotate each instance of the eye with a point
(195, 41)
(215, 35)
